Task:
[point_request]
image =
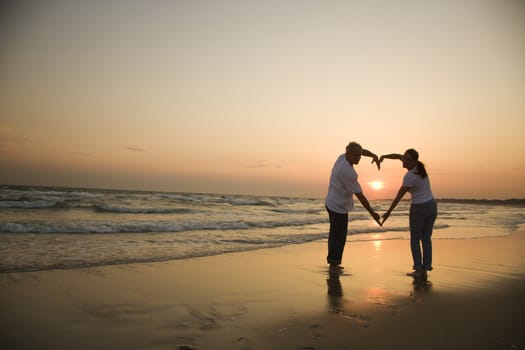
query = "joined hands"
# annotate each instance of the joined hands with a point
(380, 222)
(378, 160)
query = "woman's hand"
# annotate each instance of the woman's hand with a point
(385, 216)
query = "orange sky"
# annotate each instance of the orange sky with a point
(261, 97)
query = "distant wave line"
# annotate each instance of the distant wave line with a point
(92, 227)
(519, 202)
(140, 210)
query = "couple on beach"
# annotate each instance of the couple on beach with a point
(344, 185)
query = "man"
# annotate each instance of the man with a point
(339, 200)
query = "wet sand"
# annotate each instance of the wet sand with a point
(281, 298)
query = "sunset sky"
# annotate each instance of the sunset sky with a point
(260, 97)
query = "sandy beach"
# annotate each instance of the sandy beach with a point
(281, 298)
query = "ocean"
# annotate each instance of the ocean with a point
(44, 228)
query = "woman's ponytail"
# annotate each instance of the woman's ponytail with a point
(421, 171)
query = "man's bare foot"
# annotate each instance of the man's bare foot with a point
(334, 268)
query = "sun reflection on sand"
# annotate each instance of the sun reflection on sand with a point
(377, 295)
(377, 242)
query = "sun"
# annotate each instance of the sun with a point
(376, 185)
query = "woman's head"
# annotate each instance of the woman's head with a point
(411, 160)
(413, 154)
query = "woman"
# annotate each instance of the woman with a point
(423, 210)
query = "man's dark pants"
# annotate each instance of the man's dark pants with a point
(337, 236)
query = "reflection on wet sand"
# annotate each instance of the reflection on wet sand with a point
(335, 292)
(420, 287)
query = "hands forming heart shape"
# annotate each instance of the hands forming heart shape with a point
(378, 161)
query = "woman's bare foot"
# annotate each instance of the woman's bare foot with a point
(418, 274)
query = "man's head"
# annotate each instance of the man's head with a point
(353, 153)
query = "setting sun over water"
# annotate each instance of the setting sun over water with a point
(377, 185)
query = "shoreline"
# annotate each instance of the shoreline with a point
(278, 298)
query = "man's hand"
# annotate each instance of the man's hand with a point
(376, 218)
(378, 161)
